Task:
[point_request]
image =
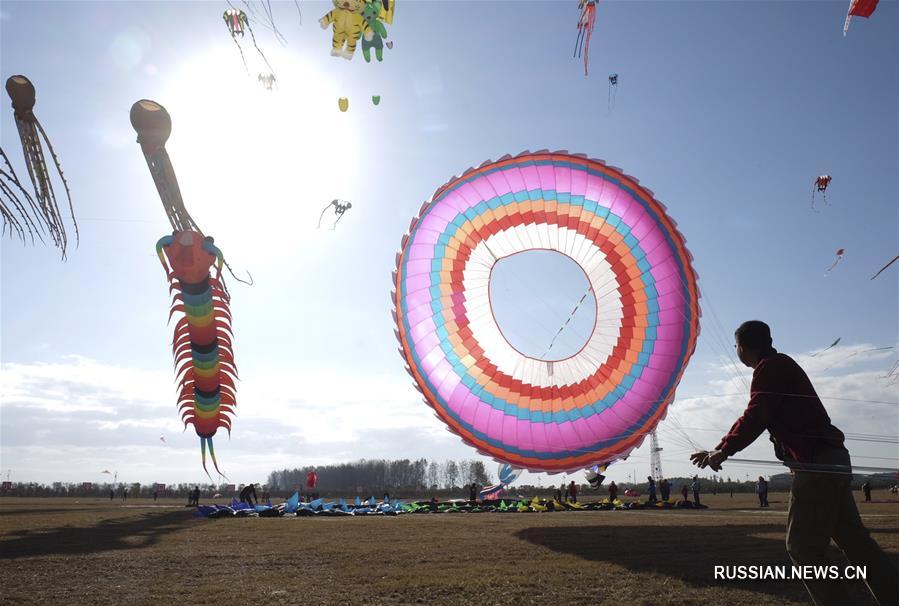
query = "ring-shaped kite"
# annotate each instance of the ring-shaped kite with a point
(555, 416)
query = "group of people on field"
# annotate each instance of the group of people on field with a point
(664, 488)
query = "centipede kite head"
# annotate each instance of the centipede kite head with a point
(152, 123)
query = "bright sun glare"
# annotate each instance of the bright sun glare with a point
(259, 165)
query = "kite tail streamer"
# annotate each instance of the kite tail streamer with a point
(204, 442)
(259, 50)
(242, 58)
(885, 266)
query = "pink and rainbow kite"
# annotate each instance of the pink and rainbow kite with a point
(541, 415)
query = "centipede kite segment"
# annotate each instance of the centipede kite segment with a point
(540, 415)
(202, 344)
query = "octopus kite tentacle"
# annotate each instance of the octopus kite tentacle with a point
(202, 344)
(17, 210)
(21, 92)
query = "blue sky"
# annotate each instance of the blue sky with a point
(726, 110)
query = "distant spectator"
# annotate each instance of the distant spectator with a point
(613, 492)
(866, 488)
(564, 488)
(685, 492)
(473, 493)
(695, 486)
(559, 495)
(386, 496)
(197, 496)
(665, 489)
(572, 490)
(652, 489)
(124, 494)
(155, 495)
(248, 495)
(433, 505)
(111, 494)
(762, 489)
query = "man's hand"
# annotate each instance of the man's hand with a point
(713, 459)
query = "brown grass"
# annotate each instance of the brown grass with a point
(86, 551)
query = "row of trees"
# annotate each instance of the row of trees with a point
(378, 475)
(89, 489)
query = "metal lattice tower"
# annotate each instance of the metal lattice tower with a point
(655, 458)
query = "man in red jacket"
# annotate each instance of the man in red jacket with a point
(783, 402)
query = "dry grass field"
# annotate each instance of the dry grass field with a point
(92, 551)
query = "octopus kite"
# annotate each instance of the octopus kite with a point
(340, 207)
(202, 345)
(41, 213)
(594, 407)
(820, 186)
(585, 23)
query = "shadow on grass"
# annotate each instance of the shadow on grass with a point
(108, 535)
(34, 511)
(689, 553)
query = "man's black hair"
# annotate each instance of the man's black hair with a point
(754, 334)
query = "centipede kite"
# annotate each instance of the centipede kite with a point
(202, 344)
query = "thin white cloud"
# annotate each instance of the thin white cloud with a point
(66, 420)
(69, 419)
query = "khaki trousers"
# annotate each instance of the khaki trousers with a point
(822, 508)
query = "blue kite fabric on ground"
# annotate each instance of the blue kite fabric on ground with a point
(292, 507)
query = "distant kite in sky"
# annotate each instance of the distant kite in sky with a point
(41, 213)
(585, 24)
(373, 30)
(832, 345)
(267, 80)
(820, 186)
(859, 8)
(534, 413)
(613, 90)
(340, 207)
(840, 252)
(896, 258)
(238, 23)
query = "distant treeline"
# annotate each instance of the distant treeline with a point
(103, 490)
(403, 479)
(377, 475)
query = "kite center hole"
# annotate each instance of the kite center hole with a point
(542, 302)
